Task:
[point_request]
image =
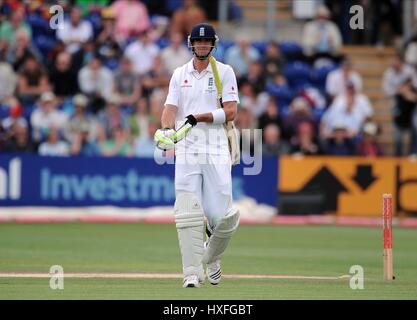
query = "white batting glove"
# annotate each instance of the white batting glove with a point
(163, 139)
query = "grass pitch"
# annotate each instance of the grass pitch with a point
(321, 251)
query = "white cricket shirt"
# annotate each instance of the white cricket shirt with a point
(195, 93)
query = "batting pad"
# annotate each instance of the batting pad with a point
(221, 236)
(189, 219)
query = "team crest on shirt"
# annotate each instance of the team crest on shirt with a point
(210, 85)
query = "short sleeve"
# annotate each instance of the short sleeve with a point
(230, 91)
(173, 91)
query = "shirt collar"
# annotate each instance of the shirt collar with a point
(191, 69)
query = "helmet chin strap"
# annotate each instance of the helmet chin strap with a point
(205, 57)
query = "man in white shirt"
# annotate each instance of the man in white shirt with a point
(96, 80)
(142, 53)
(321, 35)
(203, 181)
(337, 80)
(75, 32)
(241, 55)
(46, 116)
(176, 54)
(8, 81)
(400, 84)
(54, 146)
(396, 75)
(350, 110)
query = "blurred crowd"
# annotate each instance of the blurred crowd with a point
(97, 85)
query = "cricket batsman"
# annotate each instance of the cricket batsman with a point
(198, 120)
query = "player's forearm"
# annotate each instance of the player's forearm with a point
(229, 108)
(204, 117)
(168, 116)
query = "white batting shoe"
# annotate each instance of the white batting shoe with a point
(214, 272)
(191, 282)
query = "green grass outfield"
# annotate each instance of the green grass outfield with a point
(327, 251)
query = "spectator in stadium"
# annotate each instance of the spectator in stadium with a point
(255, 77)
(112, 117)
(272, 145)
(32, 81)
(75, 31)
(339, 143)
(140, 119)
(54, 146)
(107, 45)
(53, 53)
(316, 100)
(351, 109)
(256, 103)
(116, 144)
(62, 78)
(271, 115)
(156, 101)
(19, 141)
(15, 118)
(131, 18)
(142, 52)
(21, 49)
(9, 28)
(410, 49)
(299, 112)
(155, 78)
(396, 74)
(46, 116)
(400, 84)
(83, 57)
(80, 120)
(245, 120)
(385, 23)
(405, 116)
(8, 81)
(337, 80)
(321, 37)
(127, 84)
(280, 89)
(187, 16)
(368, 146)
(304, 143)
(96, 82)
(273, 62)
(176, 54)
(82, 145)
(144, 145)
(240, 55)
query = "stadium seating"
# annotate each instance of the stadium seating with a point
(291, 50)
(319, 76)
(298, 74)
(260, 46)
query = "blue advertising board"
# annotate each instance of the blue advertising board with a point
(31, 180)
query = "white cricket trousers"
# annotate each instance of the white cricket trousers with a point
(209, 177)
